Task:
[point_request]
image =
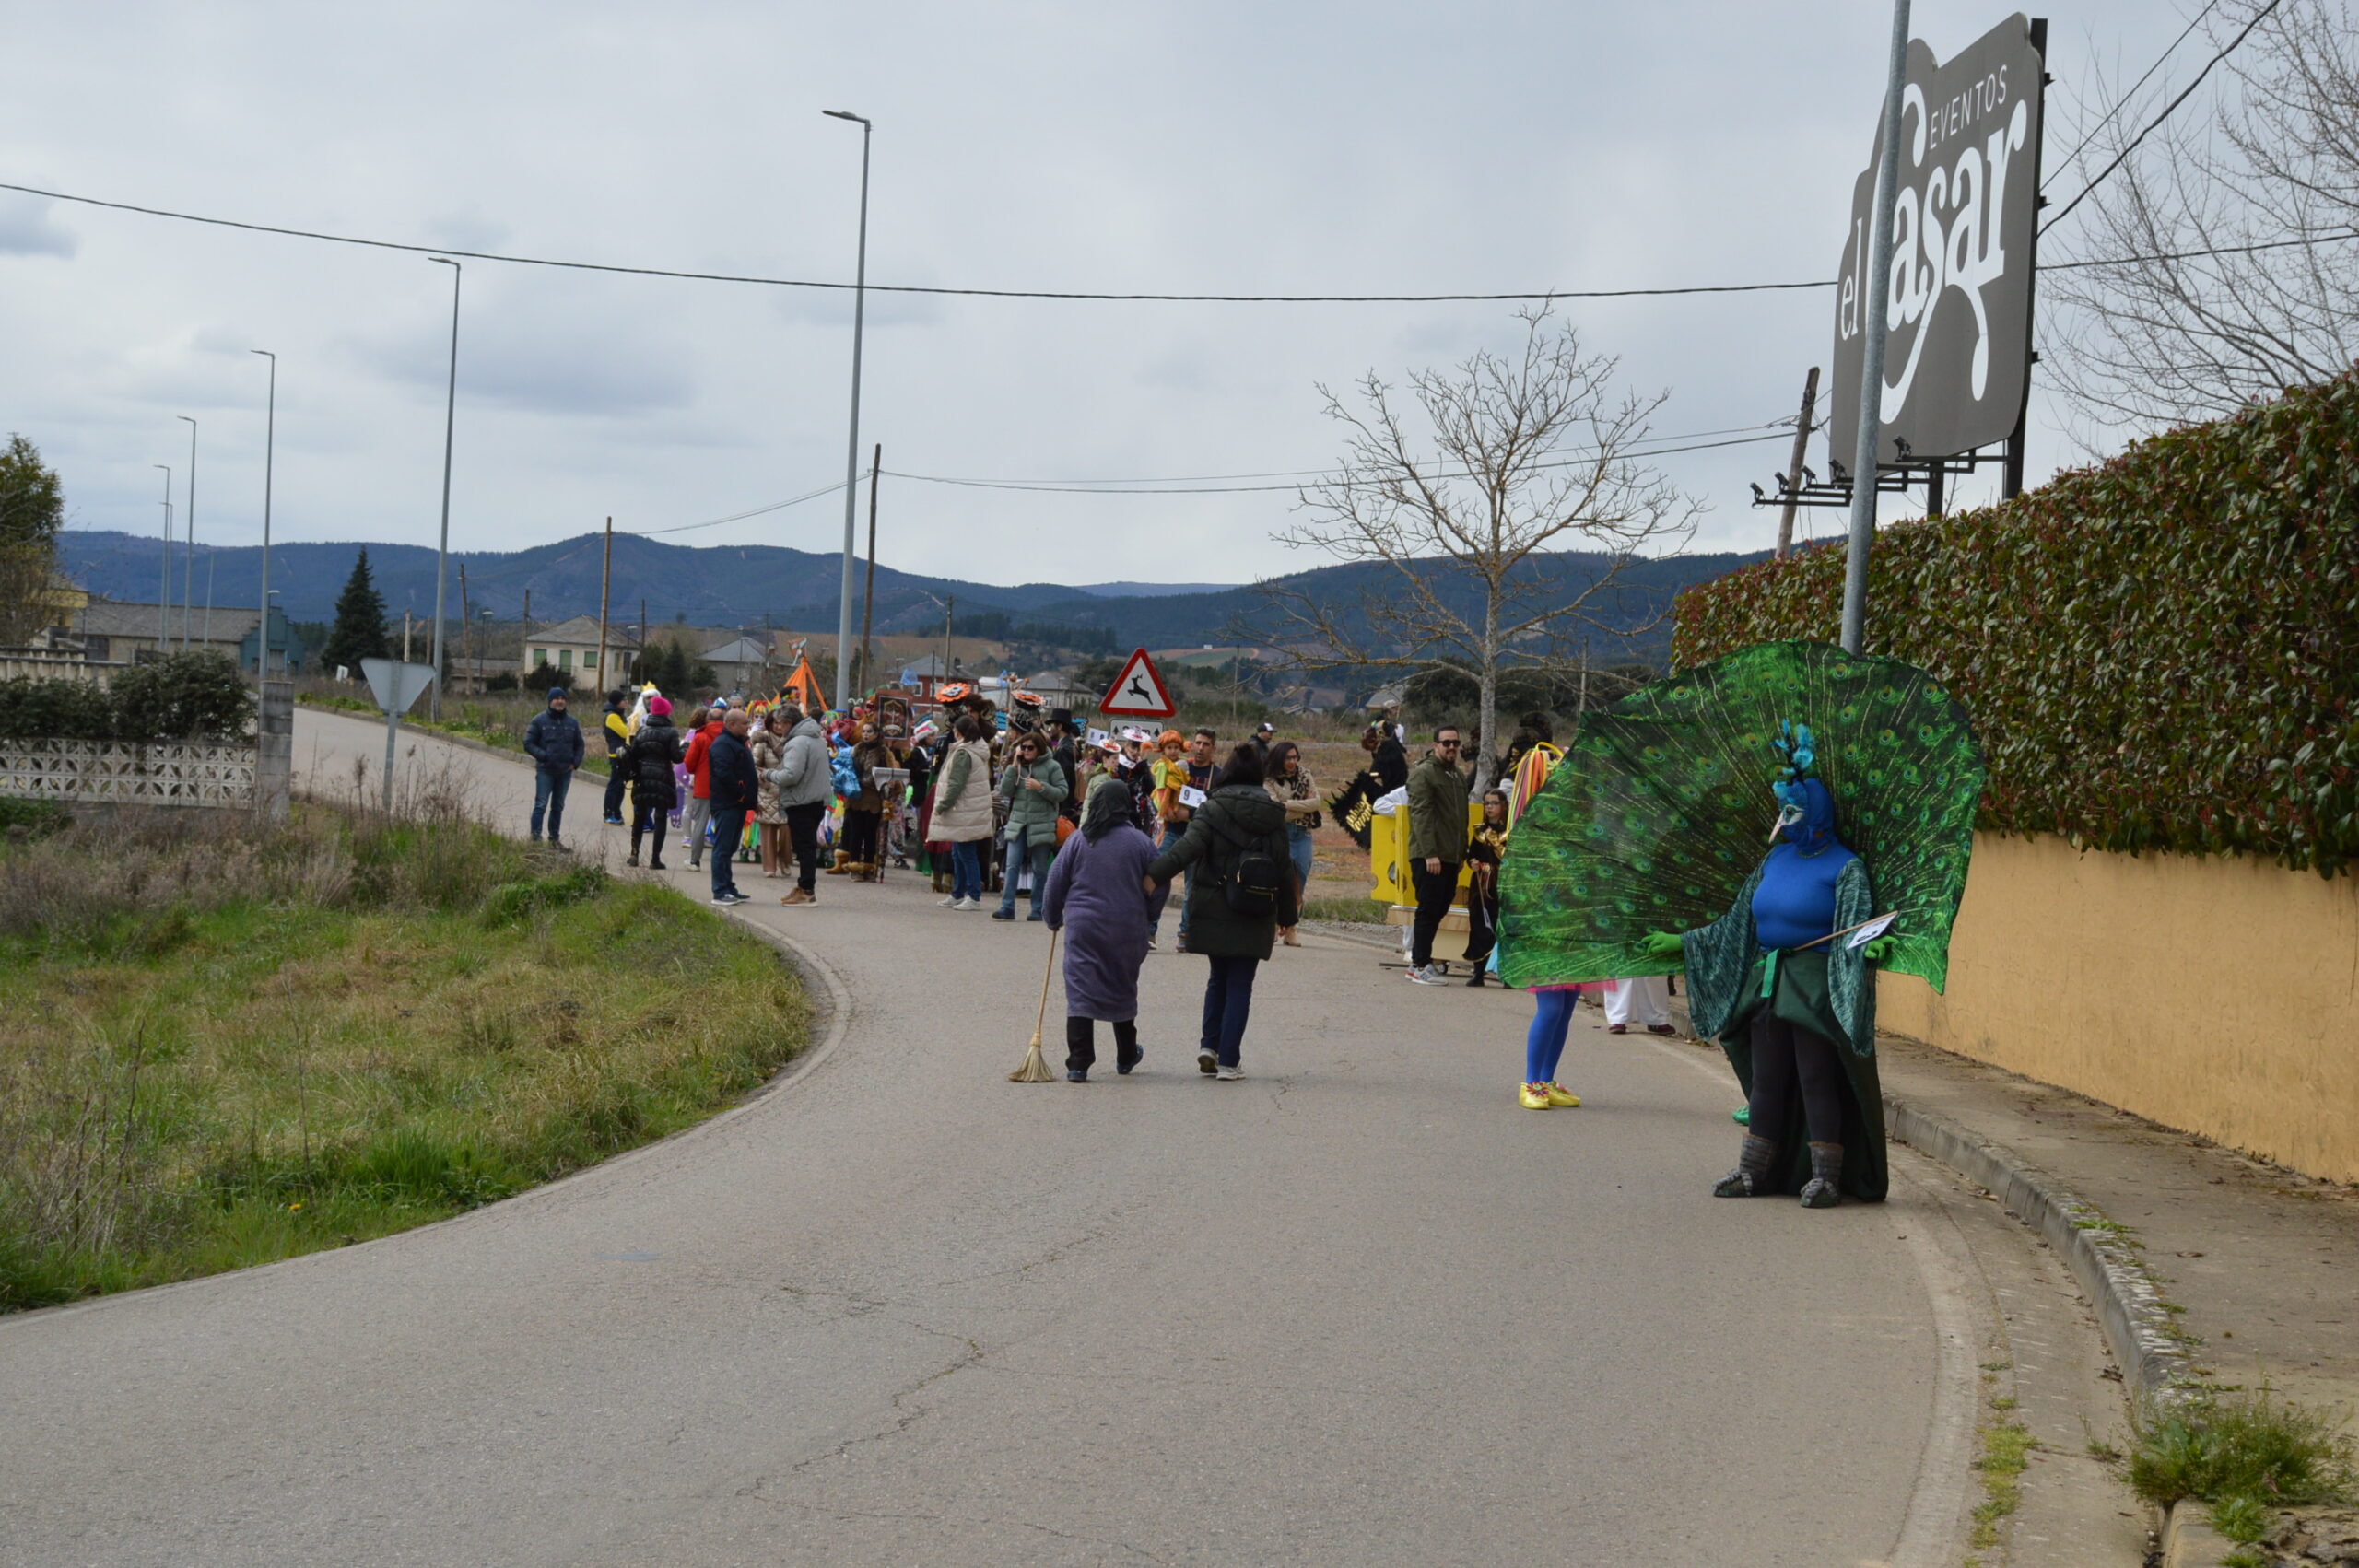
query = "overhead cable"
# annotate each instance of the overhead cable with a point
(2126, 99)
(2169, 110)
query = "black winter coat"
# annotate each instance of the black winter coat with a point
(1234, 820)
(554, 741)
(735, 786)
(649, 761)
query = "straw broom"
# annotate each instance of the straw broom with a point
(1035, 1068)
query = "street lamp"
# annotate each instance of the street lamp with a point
(188, 577)
(164, 591)
(269, 458)
(450, 424)
(851, 449)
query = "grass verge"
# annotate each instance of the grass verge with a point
(2246, 1453)
(1344, 911)
(221, 1045)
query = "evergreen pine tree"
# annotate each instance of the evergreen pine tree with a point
(360, 622)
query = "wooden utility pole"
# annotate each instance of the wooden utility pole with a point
(868, 595)
(524, 642)
(1794, 469)
(605, 587)
(404, 636)
(642, 641)
(467, 623)
(950, 617)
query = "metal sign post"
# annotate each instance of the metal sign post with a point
(396, 687)
(1879, 239)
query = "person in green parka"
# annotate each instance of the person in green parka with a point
(1793, 1005)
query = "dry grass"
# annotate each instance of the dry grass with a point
(220, 1045)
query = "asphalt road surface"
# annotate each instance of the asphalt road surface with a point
(1359, 1308)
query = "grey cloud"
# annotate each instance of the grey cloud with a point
(28, 227)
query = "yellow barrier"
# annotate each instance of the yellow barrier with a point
(1388, 853)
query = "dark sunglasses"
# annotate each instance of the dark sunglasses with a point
(1451, 744)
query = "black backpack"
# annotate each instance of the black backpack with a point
(1253, 879)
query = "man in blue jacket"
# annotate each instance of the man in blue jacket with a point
(552, 740)
(736, 792)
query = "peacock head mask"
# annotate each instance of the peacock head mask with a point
(1805, 809)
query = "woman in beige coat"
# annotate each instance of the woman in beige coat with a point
(770, 755)
(962, 811)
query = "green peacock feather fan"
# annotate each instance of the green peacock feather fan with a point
(1661, 809)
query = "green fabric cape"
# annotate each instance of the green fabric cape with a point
(1831, 994)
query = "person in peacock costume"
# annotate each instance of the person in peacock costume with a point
(1644, 852)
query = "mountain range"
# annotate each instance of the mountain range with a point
(753, 585)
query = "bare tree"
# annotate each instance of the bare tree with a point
(1515, 460)
(2267, 189)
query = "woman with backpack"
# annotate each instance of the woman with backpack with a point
(1242, 892)
(654, 786)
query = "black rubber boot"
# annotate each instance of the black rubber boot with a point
(1081, 1048)
(1825, 1188)
(1127, 1054)
(1753, 1164)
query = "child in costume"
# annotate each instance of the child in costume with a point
(1484, 848)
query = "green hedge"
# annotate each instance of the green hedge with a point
(182, 697)
(2161, 652)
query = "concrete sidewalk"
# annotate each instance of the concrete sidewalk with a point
(2257, 1265)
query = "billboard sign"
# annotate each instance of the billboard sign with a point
(1957, 358)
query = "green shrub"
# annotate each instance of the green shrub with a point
(2218, 1447)
(181, 696)
(2161, 652)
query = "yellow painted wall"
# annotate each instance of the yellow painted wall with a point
(2217, 995)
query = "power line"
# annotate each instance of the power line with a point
(740, 516)
(1245, 489)
(2169, 110)
(917, 289)
(2124, 101)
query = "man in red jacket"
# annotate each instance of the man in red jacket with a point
(698, 762)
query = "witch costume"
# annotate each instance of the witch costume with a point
(1094, 895)
(1643, 852)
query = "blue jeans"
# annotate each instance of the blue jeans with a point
(1298, 846)
(1228, 1002)
(1172, 834)
(549, 785)
(728, 827)
(1018, 847)
(966, 869)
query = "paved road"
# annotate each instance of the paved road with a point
(1358, 1308)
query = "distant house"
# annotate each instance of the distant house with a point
(111, 632)
(926, 676)
(740, 663)
(569, 647)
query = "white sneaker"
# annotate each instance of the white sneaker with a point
(951, 903)
(968, 904)
(1427, 976)
(1229, 1074)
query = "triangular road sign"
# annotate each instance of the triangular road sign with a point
(1138, 692)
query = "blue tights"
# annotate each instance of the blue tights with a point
(1552, 1015)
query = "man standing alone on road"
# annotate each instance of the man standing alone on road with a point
(736, 792)
(554, 742)
(1437, 847)
(617, 734)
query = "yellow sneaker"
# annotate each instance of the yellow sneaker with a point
(1536, 1097)
(1560, 1095)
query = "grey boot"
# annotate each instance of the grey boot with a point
(1825, 1188)
(1751, 1177)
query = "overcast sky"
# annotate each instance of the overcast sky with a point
(1228, 149)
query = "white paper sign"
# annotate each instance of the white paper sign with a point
(1873, 930)
(1191, 797)
(1098, 738)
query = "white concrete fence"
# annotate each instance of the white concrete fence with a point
(247, 773)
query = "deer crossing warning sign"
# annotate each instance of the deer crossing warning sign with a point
(1138, 692)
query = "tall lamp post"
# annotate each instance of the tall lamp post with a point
(852, 446)
(188, 531)
(164, 591)
(1863, 456)
(269, 458)
(450, 426)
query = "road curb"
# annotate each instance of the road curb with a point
(2139, 1330)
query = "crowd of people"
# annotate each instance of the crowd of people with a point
(1089, 831)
